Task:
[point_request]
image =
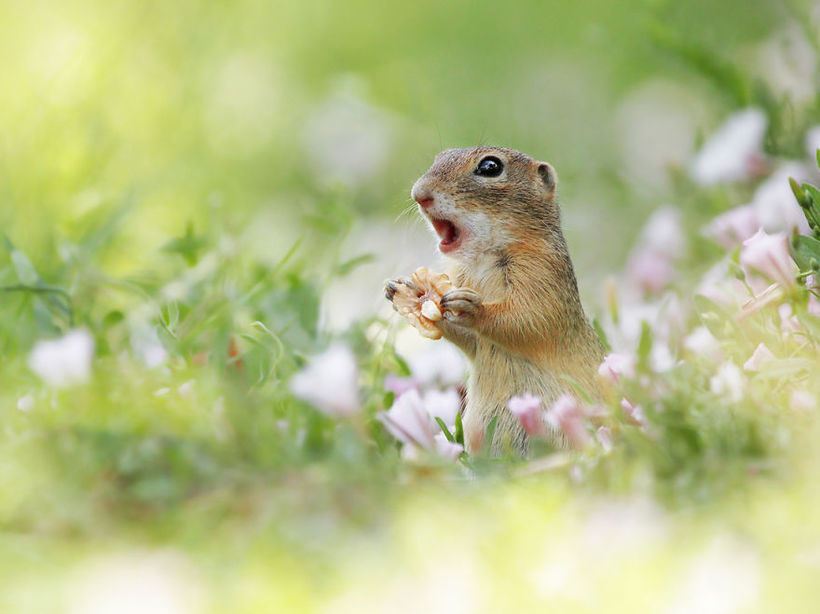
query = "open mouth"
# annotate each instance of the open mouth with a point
(448, 232)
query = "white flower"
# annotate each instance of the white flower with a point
(701, 342)
(733, 151)
(616, 365)
(443, 404)
(527, 408)
(649, 272)
(65, 361)
(769, 254)
(774, 202)
(441, 363)
(759, 358)
(733, 227)
(329, 382)
(728, 382)
(663, 233)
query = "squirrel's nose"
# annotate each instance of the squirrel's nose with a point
(422, 195)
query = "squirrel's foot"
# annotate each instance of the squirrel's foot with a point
(460, 306)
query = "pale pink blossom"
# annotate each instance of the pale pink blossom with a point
(728, 382)
(733, 227)
(439, 364)
(567, 414)
(759, 358)
(527, 408)
(651, 264)
(64, 361)
(769, 255)
(616, 365)
(409, 421)
(446, 448)
(734, 152)
(802, 400)
(443, 404)
(649, 272)
(329, 382)
(399, 385)
(633, 413)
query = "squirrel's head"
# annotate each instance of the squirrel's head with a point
(484, 198)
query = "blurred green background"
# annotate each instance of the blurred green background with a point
(230, 177)
(272, 108)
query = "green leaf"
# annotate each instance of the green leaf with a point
(445, 430)
(596, 325)
(712, 315)
(346, 267)
(805, 251)
(459, 429)
(644, 346)
(25, 270)
(489, 434)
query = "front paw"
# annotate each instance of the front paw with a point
(402, 287)
(461, 306)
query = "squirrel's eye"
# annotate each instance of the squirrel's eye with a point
(489, 167)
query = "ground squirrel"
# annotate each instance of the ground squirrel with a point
(514, 309)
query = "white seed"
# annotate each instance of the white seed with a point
(430, 310)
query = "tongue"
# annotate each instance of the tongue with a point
(445, 230)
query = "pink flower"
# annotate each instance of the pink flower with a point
(733, 227)
(527, 408)
(568, 415)
(447, 449)
(734, 151)
(759, 357)
(650, 272)
(409, 421)
(616, 365)
(329, 382)
(769, 254)
(399, 385)
(633, 413)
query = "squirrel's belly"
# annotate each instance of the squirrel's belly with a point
(495, 377)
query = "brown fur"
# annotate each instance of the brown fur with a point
(523, 326)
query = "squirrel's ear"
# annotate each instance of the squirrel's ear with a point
(548, 176)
